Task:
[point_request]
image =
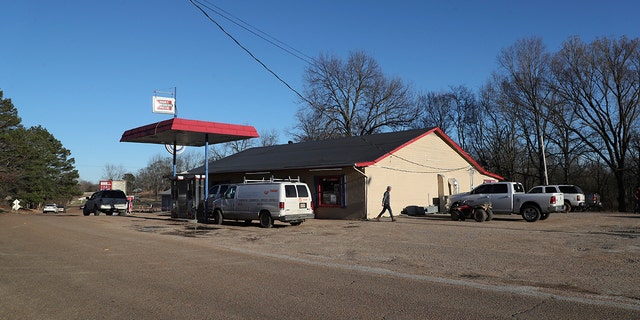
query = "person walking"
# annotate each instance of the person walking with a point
(386, 205)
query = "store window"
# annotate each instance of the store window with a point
(330, 191)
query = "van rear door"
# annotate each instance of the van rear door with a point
(296, 199)
(304, 198)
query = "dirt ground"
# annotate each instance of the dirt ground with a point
(581, 254)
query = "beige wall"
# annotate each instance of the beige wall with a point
(413, 174)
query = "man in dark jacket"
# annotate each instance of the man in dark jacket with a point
(386, 205)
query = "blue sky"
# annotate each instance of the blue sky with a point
(86, 70)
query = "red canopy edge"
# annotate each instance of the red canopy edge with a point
(188, 132)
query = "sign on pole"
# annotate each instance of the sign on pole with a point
(164, 105)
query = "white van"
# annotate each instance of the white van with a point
(264, 200)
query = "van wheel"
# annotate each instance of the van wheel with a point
(216, 217)
(266, 221)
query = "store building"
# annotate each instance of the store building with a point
(349, 175)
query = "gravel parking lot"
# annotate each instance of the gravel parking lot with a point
(582, 254)
(147, 265)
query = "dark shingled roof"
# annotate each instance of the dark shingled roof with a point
(340, 152)
(360, 151)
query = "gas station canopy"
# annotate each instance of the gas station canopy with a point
(187, 132)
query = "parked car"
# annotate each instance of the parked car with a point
(50, 207)
(107, 201)
(573, 196)
(62, 209)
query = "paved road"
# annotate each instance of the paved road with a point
(150, 267)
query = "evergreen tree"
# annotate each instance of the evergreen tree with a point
(9, 121)
(49, 175)
(34, 166)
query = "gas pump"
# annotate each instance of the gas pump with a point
(187, 193)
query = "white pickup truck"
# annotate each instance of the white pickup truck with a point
(510, 198)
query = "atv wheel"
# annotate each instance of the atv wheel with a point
(489, 215)
(480, 215)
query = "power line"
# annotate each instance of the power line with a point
(258, 33)
(199, 5)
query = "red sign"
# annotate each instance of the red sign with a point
(105, 184)
(164, 105)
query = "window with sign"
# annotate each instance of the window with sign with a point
(330, 191)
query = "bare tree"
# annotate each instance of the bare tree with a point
(352, 98)
(437, 110)
(523, 86)
(568, 148)
(189, 159)
(465, 114)
(113, 172)
(153, 177)
(495, 141)
(269, 138)
(602, 82)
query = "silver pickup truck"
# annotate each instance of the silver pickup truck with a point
(107, 201)
(510, 198)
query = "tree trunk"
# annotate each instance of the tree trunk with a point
(622, 205)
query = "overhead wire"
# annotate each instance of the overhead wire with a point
(257, 32)
(199, 6)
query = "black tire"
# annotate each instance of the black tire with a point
(296, 223)
(266, 221)
(489, 215)
(216, 217)
(567, 207)
(455, 216)
(85, 211)
(544, 216)
(530, 213)
(479, 215)
(95, 211)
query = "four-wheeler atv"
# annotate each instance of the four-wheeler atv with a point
(463, 210)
